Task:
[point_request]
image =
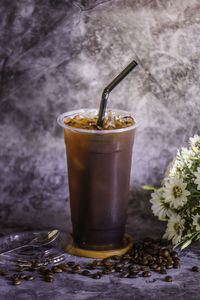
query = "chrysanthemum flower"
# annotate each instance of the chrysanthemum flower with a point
(159, 207)
(175, 192)
(174, 229)
(196, 222)
(195, 143)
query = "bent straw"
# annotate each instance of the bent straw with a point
(109, 88)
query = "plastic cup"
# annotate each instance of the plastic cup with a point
(99, 165)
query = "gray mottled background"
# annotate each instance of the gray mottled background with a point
(58, 55)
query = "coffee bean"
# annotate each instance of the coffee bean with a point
(74, 270)
(85, 273)
(43, 270)
(146, 273)
(144, 268)
(119, 265)
(115, 257)
(56, 269)
(108, 263)
(126, 256)
(97, 262)
(23, 275)
(174, 254)
(166, 253)
(17, 281)
(15, 276)
(91, 266)
(117, 269)
(154, 266)
(29, 277)
(111, 269)
(106, 271)
(70, 263)
(48, 278)
(105, 260)
(3, 272)
(95, 276)
(124, 274)
(169, 266)
(63, 266)
(157, 269)
(20, 269)
(195, 269)
(168, 278)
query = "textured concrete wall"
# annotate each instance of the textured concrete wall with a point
(59, 55)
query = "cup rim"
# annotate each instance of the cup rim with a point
(73, 112)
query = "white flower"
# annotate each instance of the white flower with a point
(197, 180)
(195, 143)
(175, 192)
(196, 222)
(174, 229)
(183, 157)
(159, 206)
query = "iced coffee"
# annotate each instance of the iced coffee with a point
(99, 163)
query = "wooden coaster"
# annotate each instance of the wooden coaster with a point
(128, 242)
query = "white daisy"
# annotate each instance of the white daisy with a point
(197, 180)
(195, 143)
(196, 222)
(159, 207)
(174, 229)
(175, 192)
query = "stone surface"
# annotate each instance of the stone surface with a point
(58, 55)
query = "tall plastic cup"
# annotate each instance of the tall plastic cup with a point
(99, 165)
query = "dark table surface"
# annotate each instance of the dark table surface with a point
(185, 284)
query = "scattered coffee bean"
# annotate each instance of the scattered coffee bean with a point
(63, 266)
(168, 278)
(20, 269)
(15, 276)
(29, 278)
(144, 268)
(85, 272)
(119, 265)
(43, 270)
(71, 263)
(3, 272)
(56, 269)
(96, 276)
(115, 257)
(124, 274)
(106, 271)
(146, 274)
(23, 275)
(195, 269)
(169, 266)
(17, 281)
(48, 278)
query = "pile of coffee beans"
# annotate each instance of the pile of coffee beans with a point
(141, 260)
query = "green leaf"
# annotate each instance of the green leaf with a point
(148, 187)
(186, 244)
(198, 237)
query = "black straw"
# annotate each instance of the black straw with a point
(109, 88)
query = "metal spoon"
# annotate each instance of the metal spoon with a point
(42, 239)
